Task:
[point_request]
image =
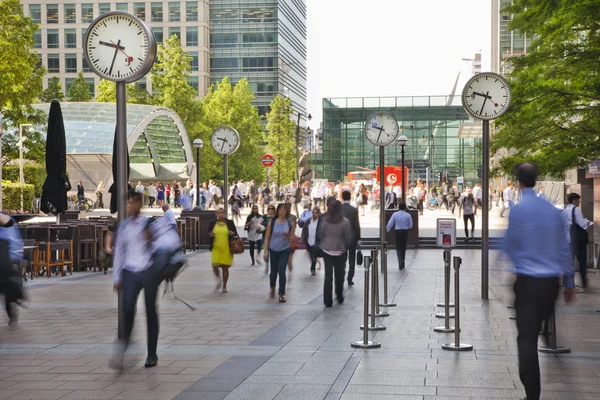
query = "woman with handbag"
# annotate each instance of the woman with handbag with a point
(221, 232)
(255, 229)
(277, 241)
(309, 238)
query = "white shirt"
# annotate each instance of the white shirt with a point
(139, 189)
(315, 193)
(312, 231)
(165, 236)
(131, 249)
(170, 217)
(151, 191)
(567, 215)
(214, 190)
(509, 194)
(478, 193)
(242, 187)
(324, 190)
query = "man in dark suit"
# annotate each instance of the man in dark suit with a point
(351, 214)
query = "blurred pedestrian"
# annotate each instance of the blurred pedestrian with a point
(334, 236)
(80, 191)
(11, 252)
(309, 238)
(535, 242)
(236, 202)
(160, 194)
(151, 194)
(255, 229)
(469, 205)
(277, 241)
(100, 194)
(575, 227)
(169, 215)
(351, 214)
(132, 273)
(508, 198)
(221, 231)
(168, 193)
(401, 221)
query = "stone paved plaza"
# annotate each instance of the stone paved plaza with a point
(243, 345)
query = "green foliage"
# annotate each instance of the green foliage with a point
(281, 139)
(35, 144)
(232, 106)
(554, 119)
(20, 78)
(11, 196)
(35, 174)
(53, 91)
(79, 90)
(106, 93)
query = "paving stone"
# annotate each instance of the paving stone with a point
(253, 391)
(303, 392)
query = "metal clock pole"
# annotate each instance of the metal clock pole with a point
(382, 231)
(485, 213)
(226, 183)
(121, 178)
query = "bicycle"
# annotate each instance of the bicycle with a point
(80, 204)
(433, 204)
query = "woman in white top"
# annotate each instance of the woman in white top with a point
(99, 194)
(309, 238)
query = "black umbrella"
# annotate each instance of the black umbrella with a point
(113, 188)
(56, 186)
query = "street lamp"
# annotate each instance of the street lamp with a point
(198, 144)
(298, 147)
(402, 141)
(21, 146)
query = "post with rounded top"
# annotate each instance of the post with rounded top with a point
(402, 141)
(198, 144)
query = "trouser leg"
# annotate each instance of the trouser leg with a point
(274, 257)
(252, 244)
(131, 286)
(401, 240)
(327, 287)
(283, 261)
(582, 261)
(313, 258)
(339, 265)
(351, 262)
(150, 292)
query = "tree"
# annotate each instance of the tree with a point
(554, 118)
(53, 91)
(35, 144)
(107, 93)
(20, 76)
(281, 139)
(231, 106)
(80, 90)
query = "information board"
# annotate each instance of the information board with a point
(446, 233)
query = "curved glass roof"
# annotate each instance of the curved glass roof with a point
(155, 135)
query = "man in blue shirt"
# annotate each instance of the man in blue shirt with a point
(536, 244)
(401, 221)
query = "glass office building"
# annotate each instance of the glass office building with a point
(264, 41)
(431, 124)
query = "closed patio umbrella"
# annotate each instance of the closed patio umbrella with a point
(113, 187)
(56, 186)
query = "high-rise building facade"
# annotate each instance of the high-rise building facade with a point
(63, 24)
(264, 41)
(505, 42)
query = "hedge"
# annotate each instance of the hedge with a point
(35, 174)
(11, 196)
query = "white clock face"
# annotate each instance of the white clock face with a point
(119, 47)
(225, 140)
(486, 96)
(381, 129)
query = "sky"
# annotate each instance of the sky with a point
(374, 48)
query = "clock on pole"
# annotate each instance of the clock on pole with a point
(225, 140)
(486, 96)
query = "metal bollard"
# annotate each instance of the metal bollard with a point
(375, 273)
(385, 303)
(446, 304)
(366, 343)
(374, 283)
(553, 348)
(457, 345)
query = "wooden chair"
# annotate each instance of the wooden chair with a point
(48, 241)
(27, 260)
(87, 246)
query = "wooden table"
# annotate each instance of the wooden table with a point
(182, 234)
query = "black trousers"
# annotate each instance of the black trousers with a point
(351, 262)
(534, 302)
(466, 219)
(333, 264)
(313, 252)
(401, 240)
(132, 284)
(151, 201)
(254, 244)
(581, 255)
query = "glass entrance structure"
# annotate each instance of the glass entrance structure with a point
(431, 124)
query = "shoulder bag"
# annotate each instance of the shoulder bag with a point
(579, 236)
(236, 245)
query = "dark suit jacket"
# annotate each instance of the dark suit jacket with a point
(351, 215)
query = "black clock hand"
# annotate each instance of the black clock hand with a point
(380, 130)
(483, 95)
(114, 57)
(223, 145)
(484, 100)
(110, 45)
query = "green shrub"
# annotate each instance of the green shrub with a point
(11, 196)
(35, 174)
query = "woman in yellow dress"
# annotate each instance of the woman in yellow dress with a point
(221, 231)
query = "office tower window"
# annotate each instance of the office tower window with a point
(264, 110)
(70, 11)
(174, 11)
(53, 63)
(193, 82)
(35, 13)
(70, 38)
(87, 13)
(193, 60)
(220, 40)
(103, 8)
(52, 13)
(139, 10)
(37, 39)
(85, 66)
(191, 36)
(224, 64)
(191, 11)
(122, 7)
(175, 31)
(83, 31)
(156, 12)
(39, 63)
(70, 62)
(158, 34)
(68, 83)
(52, 38)
(258, 64)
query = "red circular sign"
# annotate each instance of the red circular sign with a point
(267, 160)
